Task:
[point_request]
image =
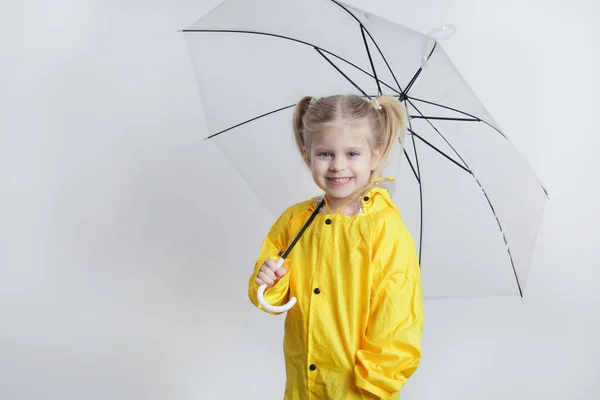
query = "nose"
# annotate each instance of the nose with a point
(338, 164)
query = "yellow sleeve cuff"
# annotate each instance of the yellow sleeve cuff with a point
(368, 386)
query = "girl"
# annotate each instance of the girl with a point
(355, 332)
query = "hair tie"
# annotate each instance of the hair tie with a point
(375, 104)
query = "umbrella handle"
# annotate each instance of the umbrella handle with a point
(267, 306)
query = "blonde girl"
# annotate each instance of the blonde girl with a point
(355, 332)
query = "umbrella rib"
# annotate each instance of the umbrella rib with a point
(250, 120)
(512, 262)
(413, 79)
(293, 40)
(458, 111)
(374, 42)
(439, 151)
(446, 118)
(411, 166)
(416, 75)
(470, 115)
(362, 31)
(420, 192)
(341, 72)
(438, 132)
(360, 69)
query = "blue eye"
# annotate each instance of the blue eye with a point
(324, 154)
(353, 154)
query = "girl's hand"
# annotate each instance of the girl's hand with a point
(269, 274)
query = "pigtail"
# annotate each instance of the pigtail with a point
(299, 113)
(393, 128)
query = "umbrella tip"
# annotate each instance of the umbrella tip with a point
(443, 32)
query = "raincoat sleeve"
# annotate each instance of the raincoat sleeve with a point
(275, 242)
(391, 349)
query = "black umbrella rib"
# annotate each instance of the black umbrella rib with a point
(362, 31)
(250, 120)
(434, 128)
(445, 118)
(342, 72)
(374, 42)
(470, 115)
(458, 111)
(412, 167)
(439, 151)
(293, 40)
(512, 262)
(416, 75)
(420, 190)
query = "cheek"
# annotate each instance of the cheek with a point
(317, 164)
(365, 163)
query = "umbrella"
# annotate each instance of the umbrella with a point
(470, 199)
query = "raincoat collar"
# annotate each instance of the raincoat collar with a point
(377, 197)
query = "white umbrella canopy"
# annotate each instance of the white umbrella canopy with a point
(470, 199)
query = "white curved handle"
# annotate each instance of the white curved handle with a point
(267, 306)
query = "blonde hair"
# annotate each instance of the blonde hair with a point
(388, 123)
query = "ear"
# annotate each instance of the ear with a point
(376, 158)
(306, 156)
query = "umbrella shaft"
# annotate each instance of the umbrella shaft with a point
(310, 220)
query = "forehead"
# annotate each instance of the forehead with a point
(343, 133)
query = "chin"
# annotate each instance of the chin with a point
(341, 194)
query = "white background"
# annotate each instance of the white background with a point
(126, 241)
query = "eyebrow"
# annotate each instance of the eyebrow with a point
(351, 148)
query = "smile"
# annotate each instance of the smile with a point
(339, 180)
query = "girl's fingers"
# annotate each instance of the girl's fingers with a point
(272, 265)
(269, 272)
(280, 272)
(266, 279)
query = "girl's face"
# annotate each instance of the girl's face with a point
(341, 159)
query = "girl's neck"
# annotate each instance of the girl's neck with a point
(349, 208)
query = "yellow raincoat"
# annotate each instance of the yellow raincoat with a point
(355, 332)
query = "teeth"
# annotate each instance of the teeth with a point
(339, 180)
